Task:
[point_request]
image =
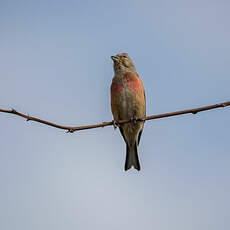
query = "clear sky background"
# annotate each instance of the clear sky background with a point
(55, 64)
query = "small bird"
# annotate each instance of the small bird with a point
(128, 102)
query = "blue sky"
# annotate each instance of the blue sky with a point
(55, 64)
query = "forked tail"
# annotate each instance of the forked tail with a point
(132, 157)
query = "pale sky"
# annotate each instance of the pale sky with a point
(55, 64)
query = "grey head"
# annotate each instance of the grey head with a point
(122, 63)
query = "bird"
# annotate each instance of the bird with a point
(128, 102)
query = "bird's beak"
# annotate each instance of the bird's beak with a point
(115, 58)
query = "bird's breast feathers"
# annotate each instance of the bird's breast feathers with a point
(129, 82)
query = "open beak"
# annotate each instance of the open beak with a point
(115, 58)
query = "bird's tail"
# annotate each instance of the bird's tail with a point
(132, 157)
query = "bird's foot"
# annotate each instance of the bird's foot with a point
(134, 120)
(141, 119)
(115, 124)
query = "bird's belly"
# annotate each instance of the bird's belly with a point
(128, 99)
(129, 104)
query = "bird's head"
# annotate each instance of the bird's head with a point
(123, 63)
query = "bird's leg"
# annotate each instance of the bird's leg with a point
(141, 119)
(115, 124)
(134, 120)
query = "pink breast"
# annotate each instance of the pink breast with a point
(116, 88)
(134, 83)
